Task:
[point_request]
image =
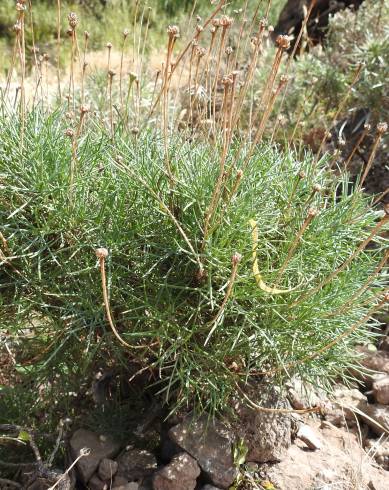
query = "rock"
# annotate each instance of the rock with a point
(307, 435)
(119, 481)
(344, 400)
(107, 469)
(210, 443)
(127, 486)
(339, 464)
(95, 483)
(384, 344)
(100, 447)
(381, 389)
(304, 395)
(136, 464)
(180, 474)
(267, 435)
(380, 414)
(376, 361)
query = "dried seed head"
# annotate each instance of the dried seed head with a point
(216, 23)
(312, 212)
(367, 126)
(101, 253)
(69, 31)
(283, 42)
(86, 34)
(200, 51)
(198, 18)
(46, 57)
(84, 109)
(17, 27)
(263, 23)
(302, 174)
(382, 127)
(135, 130)
(111, 73)
(35, 49)
(69, 133)
(199, 28)
(317, 188)
(85, 64)
(133, 76)
(229, 50)
(239, 174)
(125, 33)
(212, 30)
(270, 29)
(109, 46)
(73, 20)
(236, 258)
(173, 32)
(20, 7)
(226, 81)
(226, 21)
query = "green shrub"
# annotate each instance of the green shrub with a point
(160, 303)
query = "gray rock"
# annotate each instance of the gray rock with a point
(136, 464)
(119, 481)
(381, 389)
(107, 469)
(210, 443)
(307, 435)
(380, 414)
(267, 435)
(180, 474)
(346, 404)
(100, 447)
(304, 395)
(96, 484)
(127, 486)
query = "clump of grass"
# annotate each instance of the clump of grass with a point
(189, 329)
(220, 257)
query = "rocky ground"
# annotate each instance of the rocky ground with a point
(342, 444)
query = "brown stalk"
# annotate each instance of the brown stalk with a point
(125, 35)
(84, 65)
(340, 108)
(381, 129)
(362, 289)
(357, 145)
(101, 254)
(59, 49)
(173, 33)
(311, 214)
(332, 343)
(183, 53)
(236, 258)
(346, 263)
(111, 74)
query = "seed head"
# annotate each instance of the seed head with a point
(125, 33)
(111, 73)
(229, 50)
(199, 28)
(133, 76)
(236, 258)
(17, 27)
(302, 174)
(109, 45)
(226, 21)
(84, 109)
(73, 20)
(86, 34)
(101, 253)
(135, 130)
(20, 7)
(317, 188)
(367, 126)
(173, 32)
(200, 51)
(382, 127)
(312, 212)
(270, 29)
(283, 42)
(69, 31)
(69, 133)
(216, 23)
(239, 174)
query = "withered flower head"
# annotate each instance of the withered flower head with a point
(283, 42)
(73, 20)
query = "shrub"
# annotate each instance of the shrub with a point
(197, 334)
